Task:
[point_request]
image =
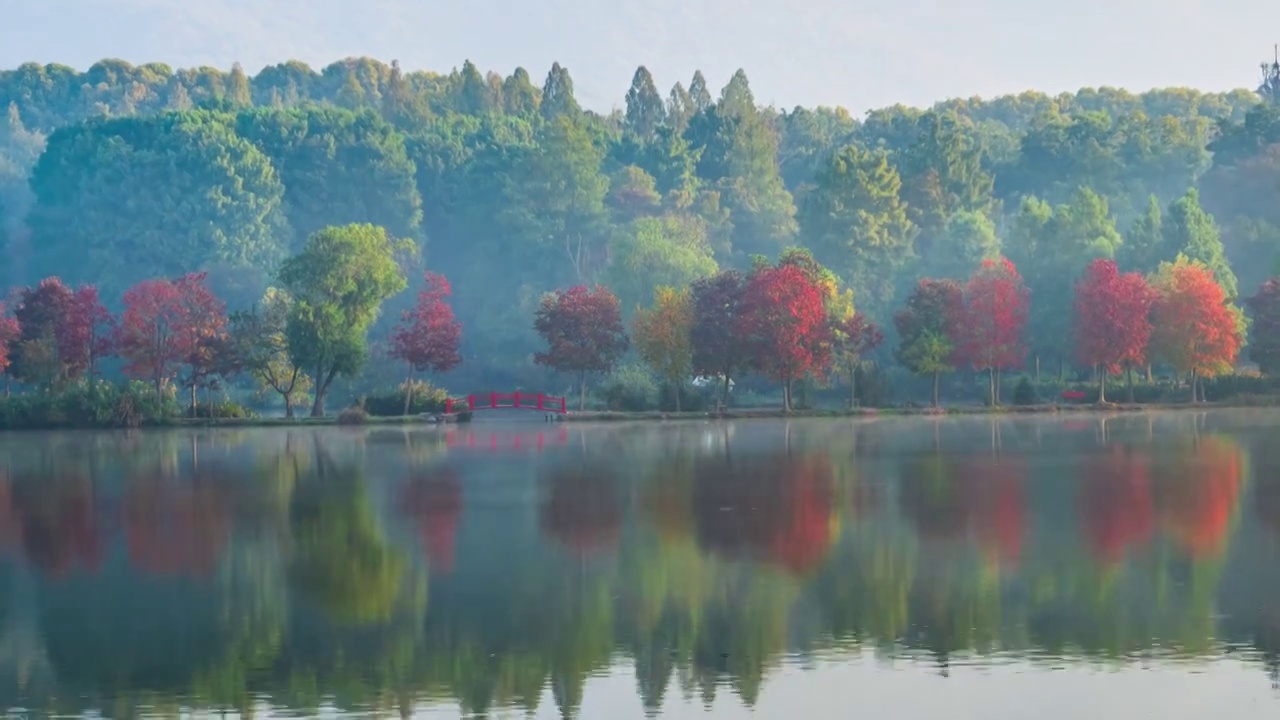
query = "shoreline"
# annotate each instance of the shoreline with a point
(614, 416)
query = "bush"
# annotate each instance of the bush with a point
(630, 388)
(1228, 387)
(427, 398)
(224, 409)
(354, 415)
(1024, 393)
(89, 404)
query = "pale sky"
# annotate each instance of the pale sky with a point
(855, 53)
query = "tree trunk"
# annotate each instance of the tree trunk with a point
(408, 394)
(786, 396)
(582, 391)
(935, 388)
(193, 398)
(724, 397)
(322, 388)
(1128, 371)
(853, 384)
(1194, 399)
(1102, 384)
(676, 386)
(1150, 379)
(288, 405)
(991, 386)
(1037, 368)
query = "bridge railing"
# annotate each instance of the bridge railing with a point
(499, 401)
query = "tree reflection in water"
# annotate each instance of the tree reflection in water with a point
(287, 567)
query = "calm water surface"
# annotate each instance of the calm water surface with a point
(1059, 567)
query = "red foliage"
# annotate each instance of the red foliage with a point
(167, 324)
(583, 512)
(784, 323)
(435, 504)
(174, 528)
(1264, 334)
(428, 336)
(84, 337)
(9, 334)
(776, 509)
(1112, 317)
(583, 331)
(988, 333)
(718, 350)
(60, 528)
(1000, 507)
(860, 335)
(56, 326)
(1116, 503)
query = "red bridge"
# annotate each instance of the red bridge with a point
(503, 401)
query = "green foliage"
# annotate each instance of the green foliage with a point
(89, 404)
(670, 251)
(1191, 231)
(224, 409)
(356, 415)
(119, 201)
(1024, 393)
(338, 283)
(629, 388)
(427, 398)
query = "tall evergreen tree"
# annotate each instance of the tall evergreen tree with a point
(679, 108)
(1192, 231)
(557, 95)
(519, 95)
(238, 92)
(473, 95)
(700, 92)
(645, 111)
(1144, 249)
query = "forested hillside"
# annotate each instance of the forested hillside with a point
(122, 173)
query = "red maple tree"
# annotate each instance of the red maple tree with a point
(1264, 333)
(783, 321)
(718, 350)
(584, 334)
(84, 336)
(9, 334)
(171, 324)
(1112, 321)
(428, 336)
(988, 335)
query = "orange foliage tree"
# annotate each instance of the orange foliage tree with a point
(663, 336)
(1199, 494)
(1194, 329)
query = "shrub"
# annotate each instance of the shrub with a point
(1024, 393)
(427, 398)
(354, 415)
(89, 404)
(223, 409)
(630, 388)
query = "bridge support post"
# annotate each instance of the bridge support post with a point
(517, 399)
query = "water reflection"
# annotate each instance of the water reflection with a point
(504, 568)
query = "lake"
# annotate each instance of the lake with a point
(977, 567)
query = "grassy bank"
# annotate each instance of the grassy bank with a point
(1042, 409)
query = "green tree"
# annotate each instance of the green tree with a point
(967, 239)
(262, 349)
(700, 92)
(330, 161)
(557, 95)
(1192, 232)
(554, 202)
(645, 111)
(1144, 248)
(650, 252)
(925, 327)
(338, 282)
(519, 95)
(119, 201)
(238, 92)
(662, 336)
(856, 222)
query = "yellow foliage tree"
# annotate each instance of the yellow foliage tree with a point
(662, 336)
